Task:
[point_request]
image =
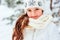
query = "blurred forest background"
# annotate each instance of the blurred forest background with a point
(10, 10)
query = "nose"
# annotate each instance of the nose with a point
(33, 13)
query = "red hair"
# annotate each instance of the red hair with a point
(21, 23)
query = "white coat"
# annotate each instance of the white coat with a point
(50, 32)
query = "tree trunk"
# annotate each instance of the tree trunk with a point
(51, 4)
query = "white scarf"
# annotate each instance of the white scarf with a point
(41, 22)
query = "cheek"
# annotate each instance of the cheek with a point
(29, 14)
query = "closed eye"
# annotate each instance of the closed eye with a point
(29, 10)
(37, 9)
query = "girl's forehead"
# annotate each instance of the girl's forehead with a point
(32, 8)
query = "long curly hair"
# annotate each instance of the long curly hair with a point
(21, 23)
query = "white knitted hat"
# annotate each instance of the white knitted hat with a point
(37, 3)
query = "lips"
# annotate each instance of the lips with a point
(35, 17)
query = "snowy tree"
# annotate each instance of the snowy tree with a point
(15, 4)
(56, 11)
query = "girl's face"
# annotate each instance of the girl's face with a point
(34, 12)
